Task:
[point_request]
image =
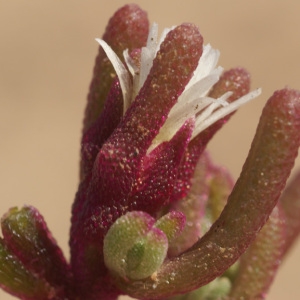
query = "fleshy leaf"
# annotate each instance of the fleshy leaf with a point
(210, 188)
(101, 129)
(236, 80)
(220, 185)
(18, 281)
(193, 207)
(252, 200)
(159, 172)
(290, 201)
(27, 236)
(260, 262)
(122, 73)
(127, 29)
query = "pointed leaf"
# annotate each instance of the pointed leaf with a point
(260, 262)
(127, 29)
(18, 281)
(27, 236)
(290, 201)
(193, 207)
(256, 192)
(155, 183)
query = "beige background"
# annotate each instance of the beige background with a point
(47, 51)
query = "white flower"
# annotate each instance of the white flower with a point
(193, 102)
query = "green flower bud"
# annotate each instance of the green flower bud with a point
(133, 247)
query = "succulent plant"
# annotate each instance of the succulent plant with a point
(154, 217)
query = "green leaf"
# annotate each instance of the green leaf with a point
(18, 281)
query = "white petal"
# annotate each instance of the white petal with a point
(133, 69)
(148, 54)
(224, 111)
(201, 87)
(135, 72)
(193, 99)
(215, 103)
(152, 38)
(121, 71)
(206, 65)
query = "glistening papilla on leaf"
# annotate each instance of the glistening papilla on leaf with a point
(153, 217)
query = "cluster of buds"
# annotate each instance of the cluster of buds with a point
(154, 217)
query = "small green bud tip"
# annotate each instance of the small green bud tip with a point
(172, 224)
(18, 281)
(133, 247)
(16, 216)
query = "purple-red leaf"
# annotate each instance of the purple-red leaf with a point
(26, 235)
(127, 29)
(290, 201)
(254, 196)
(259, 264)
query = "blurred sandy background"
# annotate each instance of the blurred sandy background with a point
(47, 51)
